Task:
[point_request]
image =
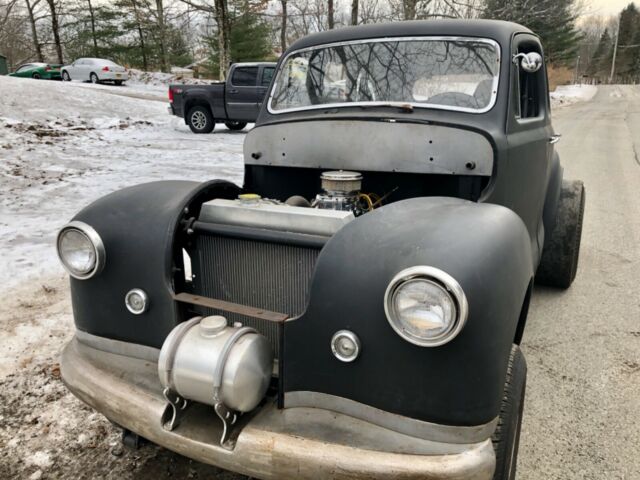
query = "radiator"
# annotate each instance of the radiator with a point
(259, 274)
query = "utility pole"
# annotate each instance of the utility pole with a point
(615, 51)
(577, 69)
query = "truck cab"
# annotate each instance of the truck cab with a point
(234, 102)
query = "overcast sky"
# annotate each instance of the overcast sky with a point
(606, 7)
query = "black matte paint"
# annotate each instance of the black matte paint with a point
(138, 226)
(484, 247)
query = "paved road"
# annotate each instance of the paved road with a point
(582, 417)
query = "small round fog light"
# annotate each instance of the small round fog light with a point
(137, 301)
(345, 345)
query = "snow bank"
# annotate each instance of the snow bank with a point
(569, 94)
(163, 79)
(64, 145)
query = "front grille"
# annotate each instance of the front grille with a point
(264, 275)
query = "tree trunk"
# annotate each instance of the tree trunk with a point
(354, 12)
(409, 9)
(34, 30)
(224, 31)
(330, 12)
(283, 27)
(93, 29)
(55, 28)
(143, 50)
(164, 62)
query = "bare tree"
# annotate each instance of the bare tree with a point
(55, 29)
(224, 34)
(138, 21)
(31, 9)
(283, 26)
(162, 40)
(354, 12)
(5, 12)
(330, 14)
(92, 17)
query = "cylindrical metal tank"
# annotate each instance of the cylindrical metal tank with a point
(192, 354)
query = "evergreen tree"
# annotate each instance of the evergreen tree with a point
(553, 20)
(601, 61)
(629, 26)
(250, 37)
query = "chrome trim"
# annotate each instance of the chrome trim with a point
(300, 443)
(351, 336)
(98, 246)
(391, 421)
(145, 299)
(118, 347)
(494, 88)
(440, 278)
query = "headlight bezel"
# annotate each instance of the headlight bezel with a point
(98, 246)
(440, 279)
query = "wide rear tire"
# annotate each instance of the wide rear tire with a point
(235, 126)
(200, 119)
(94, 78)
(506, 437)
(559, 262)
(36, 76)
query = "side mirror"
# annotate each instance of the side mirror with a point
(530, 62)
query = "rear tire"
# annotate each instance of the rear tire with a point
(506, 437)
(559, 262)
(66, 77)
(235, 126)
(118, 82)
(200, 120)
(36, 76)
(94, 78)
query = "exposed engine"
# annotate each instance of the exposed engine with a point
(341, 191)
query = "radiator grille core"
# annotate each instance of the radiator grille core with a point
(259, 274)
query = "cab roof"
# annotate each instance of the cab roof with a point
(497, 30)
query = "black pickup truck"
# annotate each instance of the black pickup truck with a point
(234, 102)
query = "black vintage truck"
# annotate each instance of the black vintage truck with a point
(355, 308)
(235, 102)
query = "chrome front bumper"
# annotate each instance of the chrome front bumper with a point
(298, 443)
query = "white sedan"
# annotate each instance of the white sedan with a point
(95, 70)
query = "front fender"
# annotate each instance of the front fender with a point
(138, 226)
(485, 247)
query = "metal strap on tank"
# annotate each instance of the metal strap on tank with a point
(183, 328)
(222, 359)
(227, 416)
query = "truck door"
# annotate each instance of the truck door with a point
(266, 75)
(530, 138)
(242, 92)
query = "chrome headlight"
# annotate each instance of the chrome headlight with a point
(80, 250)
(425, 306)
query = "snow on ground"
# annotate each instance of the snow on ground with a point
(569, 94)
(63, 145)
(146, 85)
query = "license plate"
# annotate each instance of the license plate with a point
(118, 75)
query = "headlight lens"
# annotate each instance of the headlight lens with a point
(80, 250)
(425, 306)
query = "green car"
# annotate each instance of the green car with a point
(47, 71)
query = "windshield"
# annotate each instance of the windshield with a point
(454, 74)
